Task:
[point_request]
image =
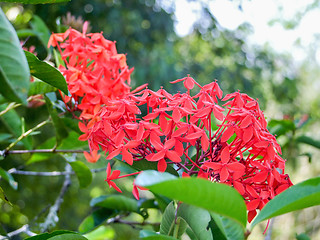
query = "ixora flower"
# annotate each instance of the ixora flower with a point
(226, 143)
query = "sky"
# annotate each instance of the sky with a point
(259, 13)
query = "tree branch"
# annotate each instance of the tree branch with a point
(23, 135)
(52, 218)
(49, 174)
(53, 150)
(23, 229)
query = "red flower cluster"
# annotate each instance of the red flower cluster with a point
(93, 69)
(191, 132)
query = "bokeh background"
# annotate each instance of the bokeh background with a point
(268, 50)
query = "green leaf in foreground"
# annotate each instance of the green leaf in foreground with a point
(14, 70)
(215, 197)
(83, 173)
(35, 1)
(45, 236)
(117, 202)
(95, 219)
(303, 195)
(46, 73)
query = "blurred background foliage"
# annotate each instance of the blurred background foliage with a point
(144, 29)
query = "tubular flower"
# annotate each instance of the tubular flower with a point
(229, 143)
(178, 130)
(93, 69)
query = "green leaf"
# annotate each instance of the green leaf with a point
(216, 197)
(58, 59)
(101, 233)
(303, 195)
(14, 70)
(117, 202)
(198, 220)
(302, 236)
(83, 173)
(24, 33)
(39, 87)
(280, 127)
(68, 236)
(41, 29)
(4, 197)
(171, 224)
(35, 1)
(45, 236)
(46, 73)
(308, 140)
(14, 124)
(159, 237)
(146, 233)
(8, 177)
(95, 219)
(229, 228)
(61, 131)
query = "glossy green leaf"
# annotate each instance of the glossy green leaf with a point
(39, 87)
(228, 228)
(8, 177)
(83, 173)
(35, 1)
(216, 197)
(303, 195)
(198, 220)
(46, 73)
(101, 233)
(308, 140)
(95, 219)
(171, 224)
(14, 70)
(61, 131)
(45, 236)
(115, 201)
(4, 197)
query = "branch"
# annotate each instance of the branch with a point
(23, 135)
(49, 174)
(52, 218)
(9, 107)
(53, 150)
(23, 229)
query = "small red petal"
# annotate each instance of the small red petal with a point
(173, 156)
(162, 165)
(225, 155)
